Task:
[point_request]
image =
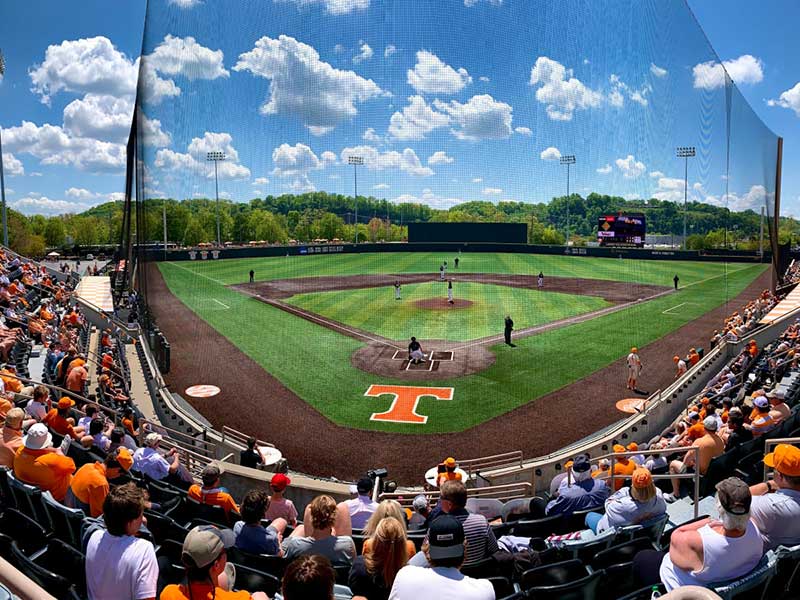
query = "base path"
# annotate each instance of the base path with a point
(255, 402)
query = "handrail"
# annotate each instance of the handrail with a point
(508, 491)
(473, 466)
(240, 438)
(199, 443)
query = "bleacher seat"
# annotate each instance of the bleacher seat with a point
(6, 496)
(568, 580)
(163, 527)
(252, 579)
(273, 565)
(538, 527)
(195, 512)
(753, 585)
(28, 499)
(57, 574)
(502, 587)
(65, 522)
(483, 569)
(651, 530)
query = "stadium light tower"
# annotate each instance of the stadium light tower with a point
(567, 159)
(2, 180)
(356, 161)
(216, 157)
(685, 152)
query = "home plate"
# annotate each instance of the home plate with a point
(202, 391)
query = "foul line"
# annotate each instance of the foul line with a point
(174, 264)
(668, 311)
(220, 303)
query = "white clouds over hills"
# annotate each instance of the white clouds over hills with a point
(194, 159)
(304, 86)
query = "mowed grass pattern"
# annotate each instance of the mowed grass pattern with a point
(377, 311)
(314, 362)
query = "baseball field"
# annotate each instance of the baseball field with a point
(327, 329)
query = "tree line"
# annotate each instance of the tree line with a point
(320, 215)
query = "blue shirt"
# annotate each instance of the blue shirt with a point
(590, 493)
(256, 539)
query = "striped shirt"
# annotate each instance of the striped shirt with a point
(481, 542)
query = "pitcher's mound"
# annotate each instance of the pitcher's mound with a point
(442, 303)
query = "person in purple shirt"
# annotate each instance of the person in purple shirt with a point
(578, 492)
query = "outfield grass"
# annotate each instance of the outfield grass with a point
(281, 342)
(377, 311)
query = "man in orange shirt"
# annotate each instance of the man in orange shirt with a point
(449, 473)
(58, 419)
(623, 467)
(38, 463)
(709, 446)
(211, 493)
(77, 377)
(90, 486)
(12, 437)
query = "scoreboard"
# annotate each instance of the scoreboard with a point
(621, 230)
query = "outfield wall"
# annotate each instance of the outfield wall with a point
(303, 250)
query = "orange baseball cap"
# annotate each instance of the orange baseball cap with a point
(705, 400)
(618, 448)
(634, 349)
(568, 464)
(124, 458)
(633, 447)
(785, 459)
(449, 462)
(641, 478)
(66, 402)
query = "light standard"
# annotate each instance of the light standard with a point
(685, 152)
(2, 180)
(356, 161)
(567, 159)
(216, 157)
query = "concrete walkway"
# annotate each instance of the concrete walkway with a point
(140, 395)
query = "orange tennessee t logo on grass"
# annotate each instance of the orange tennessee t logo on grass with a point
(406, 398)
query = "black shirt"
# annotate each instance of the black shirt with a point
(413, 346)
(250, 458)
(509, 324)
(738, 436)
(362, 583)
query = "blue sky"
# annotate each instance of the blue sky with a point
(449, 101)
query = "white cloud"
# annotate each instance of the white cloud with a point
(365, 53)
(88, 65)
(184, 56)
(432, 76)
(481, 118)
(338, 49)
(470, 3)
(35, 204)
(12, 166)
(550, 153)
(296, 163)
(711, 75)
(789, 99)
(260, 181)
(154, 88)
(656, 174)
(194, 160)
(152, 134)
(101, 117)
(619, 87)
(484, 79)
(335, 7)
(116, 196)
(390, 49)
(381, 186)
(406, 161)
(54, 146)
(303, 85)
(81, 194)
(428, 197)
(440, 158)
(524, 131)
(416, 121)
(184, 3)
(658, 71)
(630, 167)
(371, 136)
(604, 170)
(328, 158)
(560, 91)
(490, 191)
(477, 180)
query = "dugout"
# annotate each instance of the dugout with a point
(497, 233)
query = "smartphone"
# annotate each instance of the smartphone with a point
(441, 469)
(64, 447)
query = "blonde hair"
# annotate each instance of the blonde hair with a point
(387, 553)
(387, 508)
(323, 512)
(644, 494)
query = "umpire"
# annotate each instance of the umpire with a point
(509, 327)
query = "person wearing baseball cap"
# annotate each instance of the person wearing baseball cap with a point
(447, 471)
(90, 486)
(778, 409)
(444, 550)
(362, 506)
(761, 421)
(422, 509)
(39, 464)
(680, 366)
(634, 367)
(623, 467)
(280, 507)
(60, 420)
(149, 461)
(11, 437)
(776, 504)
(639, 503)
(205, 559)
(709, 446)
(714, 550)
(579, 491)
(212, 493)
